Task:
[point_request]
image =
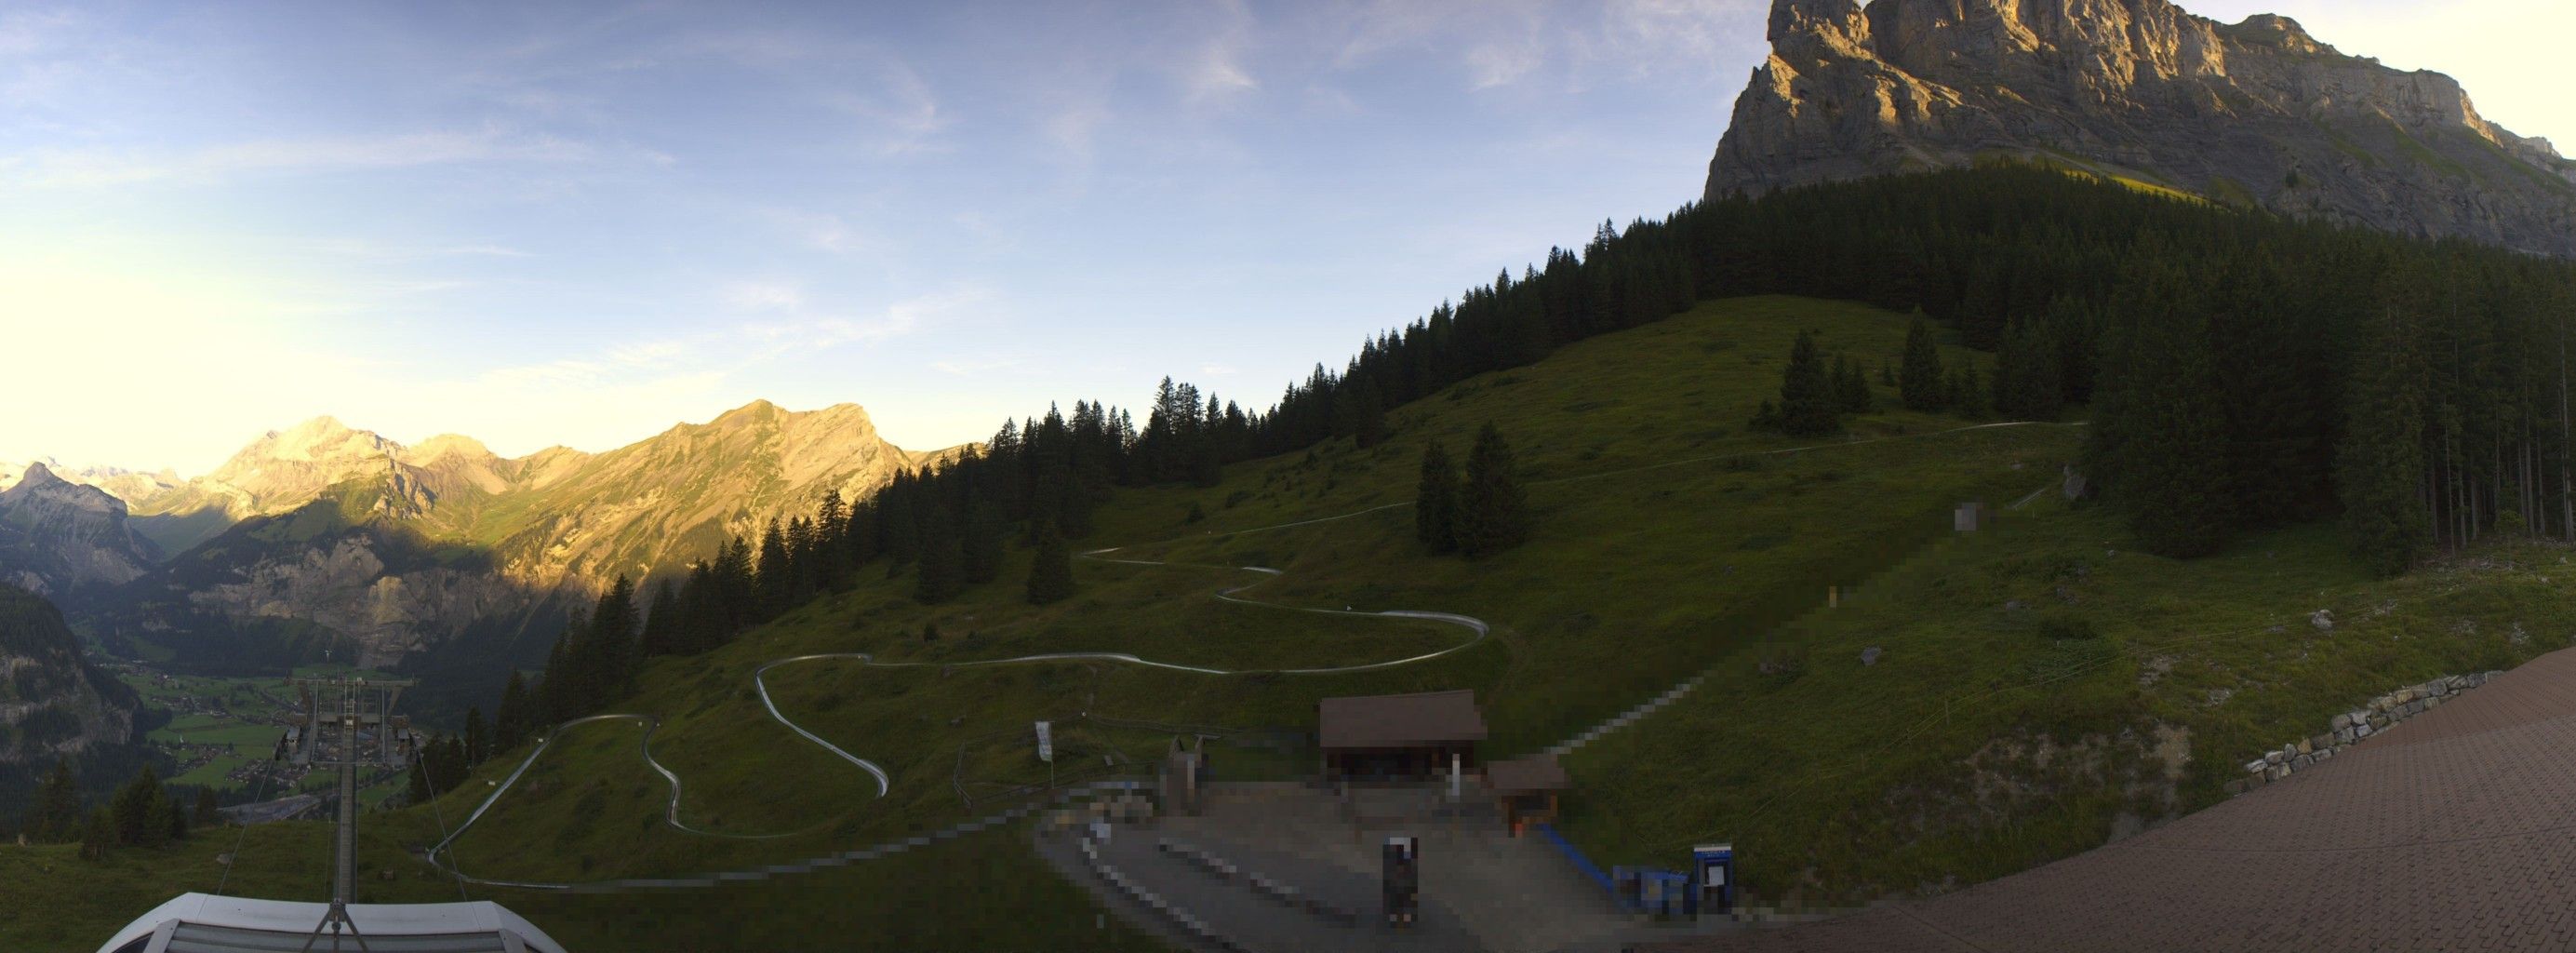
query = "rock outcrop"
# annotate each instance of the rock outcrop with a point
(2256, 113)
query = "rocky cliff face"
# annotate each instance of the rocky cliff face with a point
(52, 701)
(2257, 113)
(59, 538)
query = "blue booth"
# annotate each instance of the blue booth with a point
(1713, 871)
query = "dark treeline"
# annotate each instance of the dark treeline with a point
(2243, 371)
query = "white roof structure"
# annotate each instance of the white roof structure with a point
(204, 923)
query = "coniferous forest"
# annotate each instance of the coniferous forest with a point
(2241, 370)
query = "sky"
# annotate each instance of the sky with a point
(579, 224)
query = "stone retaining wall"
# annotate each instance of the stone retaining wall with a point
(2351, 727)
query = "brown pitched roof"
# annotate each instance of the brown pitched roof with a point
(1397, 721)
(1524, 775)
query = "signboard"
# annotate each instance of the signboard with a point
(1046, 744)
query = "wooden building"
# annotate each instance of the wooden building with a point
(1527, 789)
(1416, 737)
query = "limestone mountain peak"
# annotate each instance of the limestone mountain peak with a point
(2256, 113)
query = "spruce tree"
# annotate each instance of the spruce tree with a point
(661, 622)
(208, 813)
(56, 817)
(943, 558)
(97, 835)
(982, 547)
(777, 575)
(478, 742)
(2379, 469)
(1921, 382)
(417, 791)
(2026, 384)
(141, 811)
(2173, 486)
(1435, 501)
(1492, 513)
(176, 824)
(1851, 388)
(554, 693)
(1051, 573)
(510, 725)
(613, 654)
(1807, 399)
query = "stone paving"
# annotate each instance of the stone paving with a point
(1481, 889)
(2454, 830)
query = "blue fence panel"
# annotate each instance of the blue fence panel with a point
(1581, 862)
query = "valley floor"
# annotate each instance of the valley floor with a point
(2451, 831)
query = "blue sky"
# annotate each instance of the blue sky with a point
(579, 224)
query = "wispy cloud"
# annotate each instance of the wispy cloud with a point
(788, 320)
(901, 115)
(91, 168)
(972, 368)
(763, 296)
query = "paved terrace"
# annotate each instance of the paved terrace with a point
(2454, 830)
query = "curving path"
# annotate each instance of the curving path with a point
(884, 780)
(1480, 629)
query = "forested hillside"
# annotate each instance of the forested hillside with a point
(2243, 371)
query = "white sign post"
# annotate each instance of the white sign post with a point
(1046, 744)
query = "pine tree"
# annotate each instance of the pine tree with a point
(1921, 383)
(2026, 385)
(1807, 399)
(777, 576)
(554, 695)
(56, 817)
(175, 825)
(1435, 501)
(982, 552)
(661, 622)
(831, 532)
(1967, 393)
(943, 559)
(2174, 478)
(445, 764)
(1851, 388)
(1051, 573)
(1886, 374)
(97, 835)
(141, 811)
(614, 653)
(478, 743)
(1492, 512)
(208, 813)
(417, 793)
(2379, 470)
(510, 726)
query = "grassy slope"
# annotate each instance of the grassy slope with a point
(1669, 537)
(1921, 772)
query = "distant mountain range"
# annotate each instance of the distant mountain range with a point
(2256, 113)
(327, 537)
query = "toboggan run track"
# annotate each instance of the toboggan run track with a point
(671, 814)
